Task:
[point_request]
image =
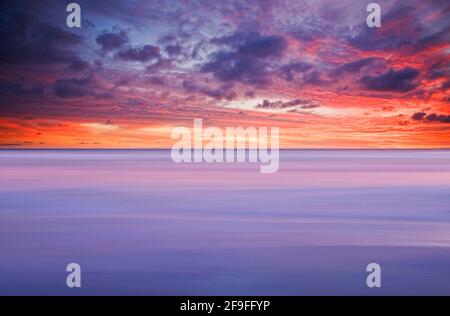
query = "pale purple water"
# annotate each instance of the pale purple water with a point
(138, 223)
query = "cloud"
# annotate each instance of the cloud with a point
(223, 92)
(142, 54)
(300, 103)
(390, 35)
(156, 80)
(438, 118)
(357, 65)
(314, 77)
(289, 71)
(171, 44)
(77, 88)
(402, 80)
(259, 46)
(232, 66)
(173, 50)
(160, 64)
(101, 127)
(26, 40)
(78, 65)
(18, 89)
(310, 30)
(405, 24)
(421, 116)
(134, 102)
(117, 40)
(244, 59)
(418, 116)
(438, 38)
(111, 40)
(445, 85)
(253, 43)
(279, 52)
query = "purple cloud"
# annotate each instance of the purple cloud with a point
(27, 40)
(421, 116)
(142, 54)
(301, 103)
(111, 40)
(402, 80)
(246, 61)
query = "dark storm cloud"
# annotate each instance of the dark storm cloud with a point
(142, 54)
(111, 40)
(393, 80)
(246, 61)
(26, 40)
(422, 116)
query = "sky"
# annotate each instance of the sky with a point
(138, 68)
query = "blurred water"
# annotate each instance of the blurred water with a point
(138, 223)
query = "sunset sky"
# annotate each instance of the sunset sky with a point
(138, 68)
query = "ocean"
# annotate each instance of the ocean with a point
(139, 224)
